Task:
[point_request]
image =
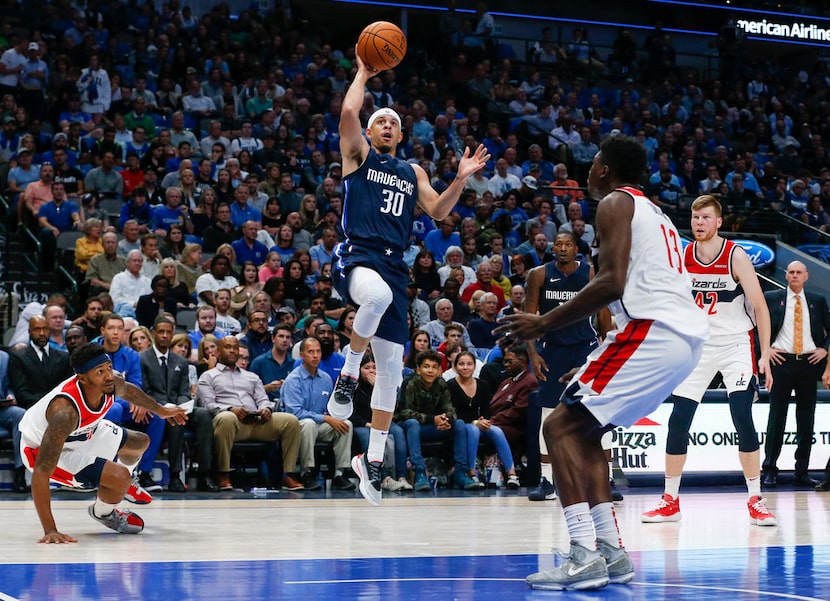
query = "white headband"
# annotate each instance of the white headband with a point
(384, 113)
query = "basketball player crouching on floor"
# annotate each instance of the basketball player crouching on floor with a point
(65, 438)
(378, 210)
(725, 287)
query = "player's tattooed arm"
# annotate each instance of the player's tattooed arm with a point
(62, 418)
(133, 394)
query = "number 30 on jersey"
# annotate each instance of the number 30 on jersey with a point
(393, 202)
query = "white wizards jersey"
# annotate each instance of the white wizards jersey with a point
(657, 286)
(718, 293)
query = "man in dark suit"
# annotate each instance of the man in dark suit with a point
(158, 301)
(800, 339)
(164, 377)
(37, 369)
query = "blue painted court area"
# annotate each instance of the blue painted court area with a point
(736, 574)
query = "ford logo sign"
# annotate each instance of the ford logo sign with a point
(760, 254)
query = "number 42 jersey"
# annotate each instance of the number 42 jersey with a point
(657, 286)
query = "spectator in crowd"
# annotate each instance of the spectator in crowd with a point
(444, 310)
(129, 285)
(305, 393)
(508, 408)
(158, 301)
(36, 369)
(273, 366)
(55, 217)
(164, 376)
(241, 411)
(105, 181)
(471, 399)
(426, 413)
(218, 277)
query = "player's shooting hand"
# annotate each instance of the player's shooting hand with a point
(57, 538)
(361, 66)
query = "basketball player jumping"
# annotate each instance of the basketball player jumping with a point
(381, 192)
(658, 341)
(64, 437)
(726, 288)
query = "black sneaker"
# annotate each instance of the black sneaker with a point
(147, 483)
(369, 473)
(341, 483)
(309, 480)
(340, 402)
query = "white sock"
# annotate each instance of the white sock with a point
(547, 472)
(377, 444)
(352, 365)
(673, 486)
(338, 472)
(580, 525)
(753, 485)
(101, 509)
(605, 522)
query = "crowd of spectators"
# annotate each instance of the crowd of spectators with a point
(199, 157)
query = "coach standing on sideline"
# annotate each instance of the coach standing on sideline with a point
(801, 337)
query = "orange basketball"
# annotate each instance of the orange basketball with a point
(381, 45)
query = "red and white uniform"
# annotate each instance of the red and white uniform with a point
(660, 331)
(94, 440)
(730, 349)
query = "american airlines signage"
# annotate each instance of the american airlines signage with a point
(789, 31)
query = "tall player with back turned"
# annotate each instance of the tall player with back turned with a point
(726, 288)
(657, 343)
(381, 192)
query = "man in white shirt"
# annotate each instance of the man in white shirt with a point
(502, 181)
(11, 66)
(209, 283)
(574, 213)
(225, 323)
(128, 285)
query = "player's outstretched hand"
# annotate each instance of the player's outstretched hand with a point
(470, 163)
(57, 538)
(520, 326)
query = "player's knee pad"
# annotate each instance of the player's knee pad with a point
(374, 296)
(677, 441)
(740, 406)
(389, 374)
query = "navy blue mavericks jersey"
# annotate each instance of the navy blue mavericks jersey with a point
(378, 211)
(379, 204)
(557, 289)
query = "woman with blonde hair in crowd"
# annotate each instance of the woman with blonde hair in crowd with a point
(309, 213)
(207, 353)
(175, 287)
(140, 339)
(90, 245)
(189, 267)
